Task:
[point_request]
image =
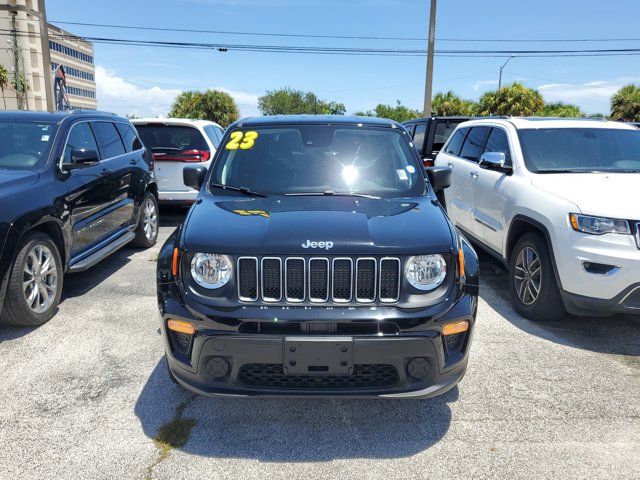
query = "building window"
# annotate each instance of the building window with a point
(55, 46)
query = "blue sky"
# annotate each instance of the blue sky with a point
(144, 80)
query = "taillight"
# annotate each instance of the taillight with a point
(190, 156)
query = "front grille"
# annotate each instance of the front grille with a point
(271, 375)
(318, 279)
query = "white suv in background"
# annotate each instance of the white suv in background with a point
(174, 143)
(558, 201)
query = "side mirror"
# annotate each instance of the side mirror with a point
(194, 176)
(495, 161)
(82, 158)
(439, 177)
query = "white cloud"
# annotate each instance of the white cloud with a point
(592, 96)
(117, 95)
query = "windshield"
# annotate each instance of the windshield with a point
(24, 145)
(549, 150)
(319, 159)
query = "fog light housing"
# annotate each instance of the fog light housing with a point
(419, 368)
(217, 367)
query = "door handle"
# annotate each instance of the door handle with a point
(450, 164)
(474, 174)
(105, 171)
(133, 161)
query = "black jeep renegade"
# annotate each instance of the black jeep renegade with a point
(317, 261)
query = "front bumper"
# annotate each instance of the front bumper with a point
(592, 292)
(223, 359)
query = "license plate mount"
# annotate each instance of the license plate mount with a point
(318, 356)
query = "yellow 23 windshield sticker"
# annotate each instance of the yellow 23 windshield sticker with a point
(242, 140)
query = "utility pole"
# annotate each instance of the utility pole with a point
(501, 68)
(428, 87)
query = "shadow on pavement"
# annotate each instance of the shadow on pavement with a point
(172, 216)
(618, 335)
(295, 430)
(76, 284)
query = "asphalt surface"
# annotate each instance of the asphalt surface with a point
(87, 396)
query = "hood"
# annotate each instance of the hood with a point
(604, 194)
(13, 181)
(346, 225)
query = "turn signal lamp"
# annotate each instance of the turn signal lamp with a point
(455, 327)
(181, 326)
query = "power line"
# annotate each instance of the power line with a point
(343, 37)
(257, 48)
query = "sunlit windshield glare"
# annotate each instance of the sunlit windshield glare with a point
(24, 145)
(319, 159)
(581, 149)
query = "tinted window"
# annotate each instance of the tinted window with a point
(108, 138)
(419, 135)
(581, 149)
(24, 145)
(321, 158)
(474, 143)
(442, 132)
(212, 133)
(456, 142)
(498, 142)
(129, 137)
(80, 138)
(171, 138)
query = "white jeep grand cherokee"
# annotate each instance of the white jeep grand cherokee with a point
(558, 202)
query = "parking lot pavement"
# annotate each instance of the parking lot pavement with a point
(87, 396)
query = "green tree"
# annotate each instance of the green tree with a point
(213, 105)
(4, 83)
(286, 101)
(625, 103)
(514, 99)
(397, 112)
(560, 109)
(450, 104)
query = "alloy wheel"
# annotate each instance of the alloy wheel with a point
(150, 219)
(40, 279)
(528, 278)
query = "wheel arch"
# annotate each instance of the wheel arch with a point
(521, 225)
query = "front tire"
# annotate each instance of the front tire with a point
(35, 283)
(148, 225)
(532, 281)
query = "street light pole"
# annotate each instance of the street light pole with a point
(501, 68)
(428, 87)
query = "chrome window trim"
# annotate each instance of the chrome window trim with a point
(333, 270)
(304, 280)
(380, 297)
(321, 259)
(264, 298)
(375, 280)
(248, 299)
(100, 158)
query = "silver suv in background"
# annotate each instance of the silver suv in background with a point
(174, 143)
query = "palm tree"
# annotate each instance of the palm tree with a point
(4, 82)
(625, 103)
(449, 104)
(514, 100)
(560, 109)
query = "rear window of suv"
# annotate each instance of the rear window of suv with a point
(174, 142)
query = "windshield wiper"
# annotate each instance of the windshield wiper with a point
(245, 190)
(330, 193)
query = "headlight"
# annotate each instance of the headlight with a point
(598, 225)
(426, 272)
(210, 270)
